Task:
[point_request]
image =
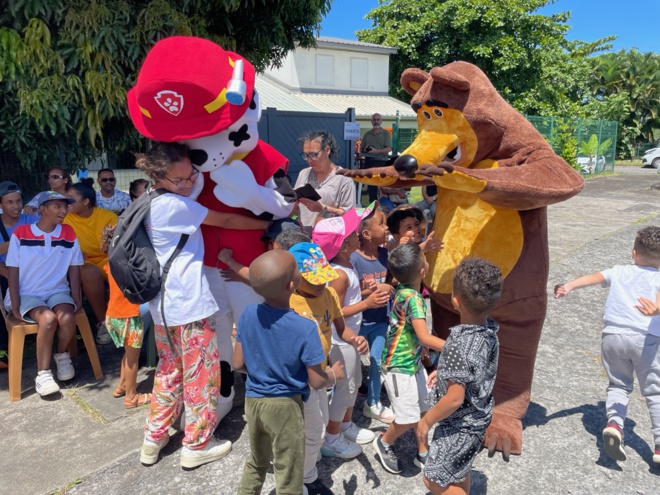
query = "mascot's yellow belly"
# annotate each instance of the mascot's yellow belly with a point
(471, 227)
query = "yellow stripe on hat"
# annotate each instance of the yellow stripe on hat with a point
(217, 103)
(144, 111)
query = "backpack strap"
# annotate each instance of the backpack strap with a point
(166, 270)
(3, 232)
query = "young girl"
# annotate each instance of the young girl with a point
(126, 329)
(190, 374)
(463, 393)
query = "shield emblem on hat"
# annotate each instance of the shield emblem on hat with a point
(170, 101)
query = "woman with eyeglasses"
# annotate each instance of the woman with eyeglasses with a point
(88, 222)
(59, 180)
(337, 192)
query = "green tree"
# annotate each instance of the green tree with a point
(593, 149)
(66, 65)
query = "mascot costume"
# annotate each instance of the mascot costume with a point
(192, 91)
(495, 175)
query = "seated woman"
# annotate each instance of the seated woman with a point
(59, 180)
(88, 223)
(337, 192)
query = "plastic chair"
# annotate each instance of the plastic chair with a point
(18, 329)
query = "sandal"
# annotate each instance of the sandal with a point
(119, 392)
(139, 400)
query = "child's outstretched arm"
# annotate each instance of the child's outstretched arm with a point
(562, 290)
(234, 221)
(425, 338)
(648, 307)
(431, 245)
(319, 379)
(348, 335)
(444, 408)
(237, 271)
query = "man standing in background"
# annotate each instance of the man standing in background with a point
(377, 141)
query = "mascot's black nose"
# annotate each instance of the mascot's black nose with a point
(198, 157)
(406, 165)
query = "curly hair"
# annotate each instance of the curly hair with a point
(291, 237)
(647, 243)
(159, 159)
(405, 262)
(478, 284)
(400, 213)
(324, 138)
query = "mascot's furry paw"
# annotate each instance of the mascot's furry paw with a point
(505, 435)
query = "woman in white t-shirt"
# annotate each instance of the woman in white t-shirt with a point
(188, 369)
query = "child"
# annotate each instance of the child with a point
(370, 262)
(281, 351)
(188, 372)
(631, 336)
(463, 383)
(40, 258)
(338, 239)
(407, 224)
(405, 377)
(313, 300)
(126, 329)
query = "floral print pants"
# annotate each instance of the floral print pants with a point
(191, 377)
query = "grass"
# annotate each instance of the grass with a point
(65, 489)
(91, 411)
(601, 174)
(637, 162)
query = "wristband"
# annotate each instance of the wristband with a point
(325, 208)
(334, 376)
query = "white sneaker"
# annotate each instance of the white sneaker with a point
(378, 411)
(65, 369)
(45, 383)
(214, 450)
(102, 335)
(150, 450)
(342, 448)
(358, 435)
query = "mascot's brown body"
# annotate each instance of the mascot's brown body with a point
(495, 175)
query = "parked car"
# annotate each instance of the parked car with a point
(589, 166)
(652, 158)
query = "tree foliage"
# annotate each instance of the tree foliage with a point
(66, 65)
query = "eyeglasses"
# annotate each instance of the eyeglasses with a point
(182, 182)
(55, 177)
(311, 156)
(108, 179)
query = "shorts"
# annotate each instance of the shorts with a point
(407, 395)
(126, 331)
(28, 303)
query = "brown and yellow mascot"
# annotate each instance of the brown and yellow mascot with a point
(495, 175)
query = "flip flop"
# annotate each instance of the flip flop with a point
(139, 400)
(119, 392)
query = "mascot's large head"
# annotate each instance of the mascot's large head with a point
(191, 90)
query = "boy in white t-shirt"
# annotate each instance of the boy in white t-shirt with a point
(40, 257)
(631, 336)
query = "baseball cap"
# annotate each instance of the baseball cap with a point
(279, 226)
(8, 187)
(330, 233)
(312, 263)
(46, 196)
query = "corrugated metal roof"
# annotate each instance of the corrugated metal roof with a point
(272, 94)
(342, 41)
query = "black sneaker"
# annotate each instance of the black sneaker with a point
(420, 461)
(317, 487)
(386, 456)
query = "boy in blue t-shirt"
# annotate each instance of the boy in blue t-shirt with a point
(281, 352)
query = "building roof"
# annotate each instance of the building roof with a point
(324, 41)
(274, 94)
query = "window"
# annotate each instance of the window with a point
(359, 73)
(325, 70)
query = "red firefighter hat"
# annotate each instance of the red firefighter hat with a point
(189, 88)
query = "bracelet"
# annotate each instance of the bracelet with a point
(325, 208)
(334, 375)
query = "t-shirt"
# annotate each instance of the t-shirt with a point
(187, 295)
(336, 190)
(116, 203)
(372, 270)
(323, 310)
(278, 345)
(627, 283)
(23, 219)
(378, 141)
(118, 305)
(43, 259)
(88, 231)
(353, 296)
(403, 350)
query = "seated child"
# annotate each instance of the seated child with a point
(405, 377)
(338, 239)
(281, 352)
(463, 383)
(126, 328)
(38, 288)
(407, 224)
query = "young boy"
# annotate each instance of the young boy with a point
(405, 377)
(281, 352)
(405, 223)
(463, 383)
(313, 300)
(40, 258)
(631, 336)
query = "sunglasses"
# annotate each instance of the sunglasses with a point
(311, 156)
(55, 177)
(108, 179)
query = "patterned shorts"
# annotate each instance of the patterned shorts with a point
(451, 455)
(126, 331)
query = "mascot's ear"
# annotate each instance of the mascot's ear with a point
(450, 78)
(412, 80)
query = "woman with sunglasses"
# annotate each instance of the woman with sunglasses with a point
(88, 222)
(59, 180)
(337, 192)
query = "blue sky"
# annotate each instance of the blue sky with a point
(634, 22)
